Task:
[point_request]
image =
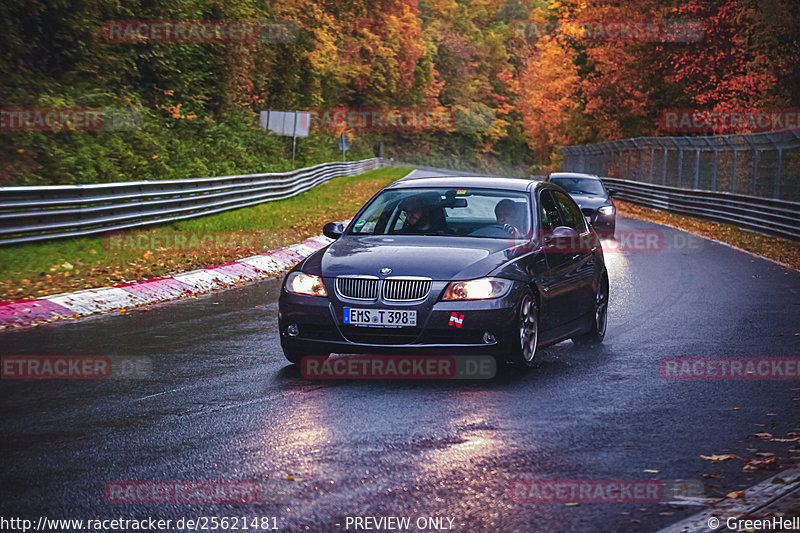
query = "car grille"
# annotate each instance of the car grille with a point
(406, 290)
(358, 288)
(391, 289)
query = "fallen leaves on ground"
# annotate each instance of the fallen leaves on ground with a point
(754, 465)
(718, 458)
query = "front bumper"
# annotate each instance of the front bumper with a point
(442, 327)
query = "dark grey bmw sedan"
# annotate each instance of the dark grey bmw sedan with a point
(450, 265)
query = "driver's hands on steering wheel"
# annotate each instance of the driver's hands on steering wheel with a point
(511, 230)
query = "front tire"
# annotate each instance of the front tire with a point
(597, 332)
(523, 350)
(296, 356)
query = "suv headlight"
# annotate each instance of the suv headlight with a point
(606, 210)
(477, 289)
(305, 284)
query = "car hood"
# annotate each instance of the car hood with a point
(586, 201)
(440, 258)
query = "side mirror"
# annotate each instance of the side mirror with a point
(611, 193)
(563, 232)
(563, 239)
(333, 230)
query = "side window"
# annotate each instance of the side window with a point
(573, 217)
(548, 210)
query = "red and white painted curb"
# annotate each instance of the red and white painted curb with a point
(36, 311)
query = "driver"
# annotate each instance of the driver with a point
(506, 213)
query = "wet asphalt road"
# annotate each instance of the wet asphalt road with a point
(222, 404)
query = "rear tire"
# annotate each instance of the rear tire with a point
(597, 332)
(524, 345)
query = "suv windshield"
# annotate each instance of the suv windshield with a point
(485, 213)
(580, 185)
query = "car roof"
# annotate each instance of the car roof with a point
(573, 175)
(461, 182)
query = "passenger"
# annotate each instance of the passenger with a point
(418, 220)
(424, 215)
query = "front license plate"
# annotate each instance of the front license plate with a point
(385, 318)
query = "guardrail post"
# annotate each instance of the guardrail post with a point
(714, 167)
(776, 188)
(754, 179)
(754, 172)
(628, 165)
(638, 176)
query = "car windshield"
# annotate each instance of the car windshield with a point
(580, 185)
(486, 213)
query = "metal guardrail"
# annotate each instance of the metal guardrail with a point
(29, 214)
(758, 164)
(765, 215)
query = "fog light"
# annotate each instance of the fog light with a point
(293, 330)
(488, 338)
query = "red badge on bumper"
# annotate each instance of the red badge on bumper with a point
(456, 319)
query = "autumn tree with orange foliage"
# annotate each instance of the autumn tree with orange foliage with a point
(516, 101)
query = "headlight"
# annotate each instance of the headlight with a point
(306, 284)
(477, 289)
(606, 210)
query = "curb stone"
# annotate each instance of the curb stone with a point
(35, 311)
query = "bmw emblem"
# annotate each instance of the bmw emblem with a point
(386, 271)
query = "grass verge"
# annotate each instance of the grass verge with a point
(775, 248)
(41, 269)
